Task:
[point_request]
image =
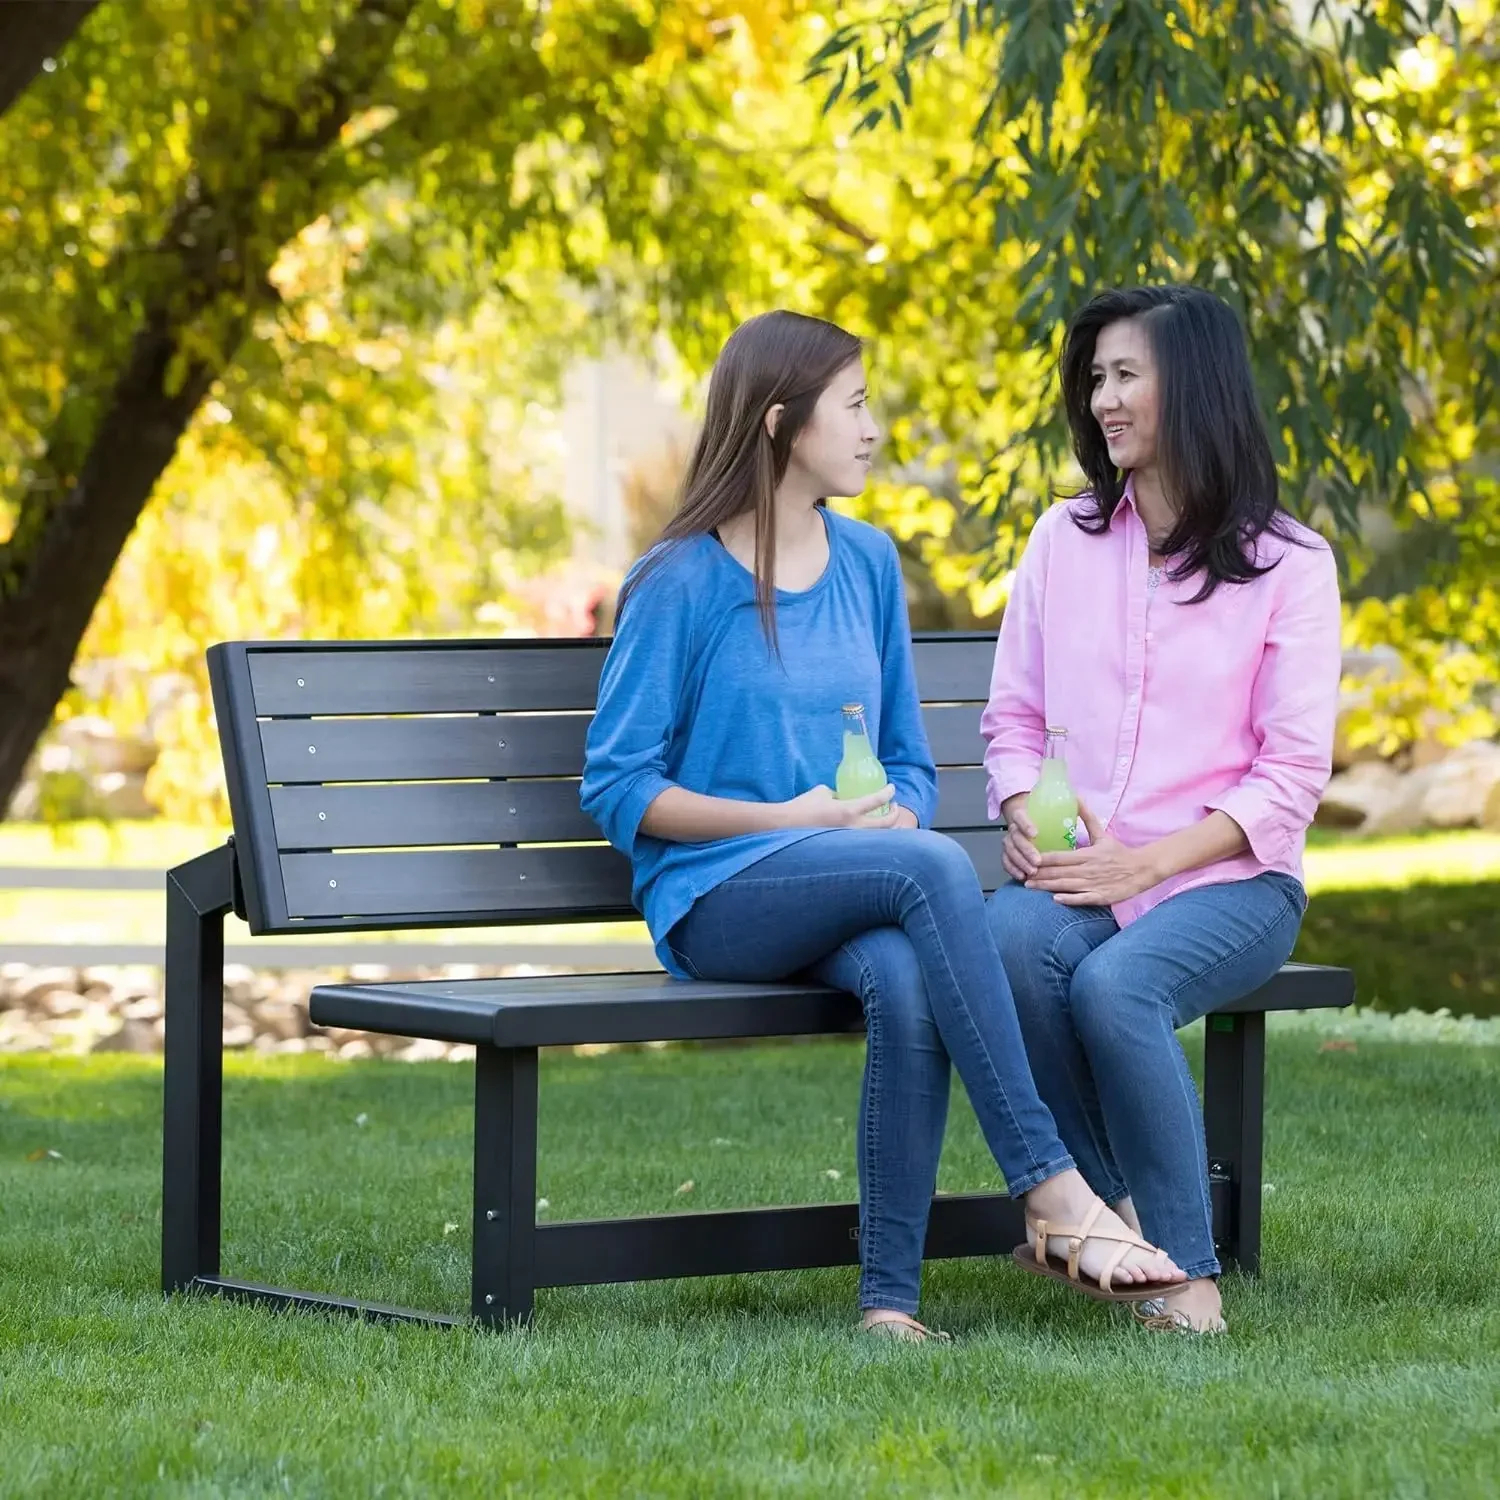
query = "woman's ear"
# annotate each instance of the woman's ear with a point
(773, 418)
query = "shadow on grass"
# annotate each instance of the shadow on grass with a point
(1423, 947)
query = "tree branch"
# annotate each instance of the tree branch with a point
(31, 31)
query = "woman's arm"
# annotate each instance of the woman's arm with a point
(1293, 707)
(625, 789)
(1014, 721)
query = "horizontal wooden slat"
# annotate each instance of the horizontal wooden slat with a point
(953, 734)
(984, 848)
(962, 799)
(433, 749)
(575, 879)
(409, 814)
(956, 670)
(438, 749)
(509, 677)
(430, 677)
(415, 814)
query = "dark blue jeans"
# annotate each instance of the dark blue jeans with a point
(897, 917)
(1100, 1007)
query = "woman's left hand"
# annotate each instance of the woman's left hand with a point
(1100, 875)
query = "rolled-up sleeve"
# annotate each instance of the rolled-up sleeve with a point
(1014, 720)
(626, 752)
(903, 750)
(1293, 707)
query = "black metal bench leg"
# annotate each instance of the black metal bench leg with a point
(1234, 1074)
(199, 896)
(505, 1105)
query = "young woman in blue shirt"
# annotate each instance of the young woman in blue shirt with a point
(740, 635)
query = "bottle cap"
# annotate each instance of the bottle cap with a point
(854, 708)
(1053, 729)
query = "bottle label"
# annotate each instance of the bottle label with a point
(1070, 832)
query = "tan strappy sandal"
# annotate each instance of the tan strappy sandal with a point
(1041, 1262)
(895, 1325)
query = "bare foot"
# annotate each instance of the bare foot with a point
(1066, 1199)
(1195, 1307)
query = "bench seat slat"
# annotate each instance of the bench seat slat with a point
(569, 1009)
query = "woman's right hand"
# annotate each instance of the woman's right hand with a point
(1018, 854)
(819, 808)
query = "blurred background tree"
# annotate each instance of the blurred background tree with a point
(287, 290)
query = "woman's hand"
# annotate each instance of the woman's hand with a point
(1104, 873)
(1018, 854)
(819, 808)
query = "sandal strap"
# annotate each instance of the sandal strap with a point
(1078, 1234)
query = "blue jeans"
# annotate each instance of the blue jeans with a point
(1100, 1005)
(897, 918)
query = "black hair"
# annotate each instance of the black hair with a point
(1212, 449)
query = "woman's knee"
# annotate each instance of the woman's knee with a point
(938, 864)
(1107, 999)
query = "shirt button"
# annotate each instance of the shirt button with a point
(1149, 636)
(1124, 760)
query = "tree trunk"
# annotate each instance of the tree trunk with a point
(31, 31)
(71, 527)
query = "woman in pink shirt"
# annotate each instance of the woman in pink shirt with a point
(1185, 631)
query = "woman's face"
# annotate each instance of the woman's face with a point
(1124, 401)
(832, 453)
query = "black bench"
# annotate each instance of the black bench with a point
(435, 784)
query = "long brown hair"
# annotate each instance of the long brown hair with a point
(777, 359)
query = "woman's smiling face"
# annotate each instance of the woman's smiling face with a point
(1125, 397)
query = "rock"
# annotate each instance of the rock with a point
(1490, 817)
(1459, 787)
(1353, 795)
(358, 1048)
(238, 1031)
(19, 1033)
(146, 1008)
(37, 982)
(283, 1020)
(423, 1049)
(56, 1003)
(133, 1036)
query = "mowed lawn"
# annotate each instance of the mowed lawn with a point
(1364, 1362)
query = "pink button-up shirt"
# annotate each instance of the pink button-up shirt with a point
(1172, 709)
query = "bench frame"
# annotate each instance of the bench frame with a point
(513, 1255)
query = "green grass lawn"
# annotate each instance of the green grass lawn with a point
(1365, 1361)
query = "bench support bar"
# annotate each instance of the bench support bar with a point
(1234, 1073)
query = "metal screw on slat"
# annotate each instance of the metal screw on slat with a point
(489, 679)
(300, 683)
(322, 817)
(501, 743)
(490, 1213)
(312, 749)
(333, 883)
(523, 877)
(512, 812)
(488, 1299)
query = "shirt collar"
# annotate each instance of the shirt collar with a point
(1127, 504)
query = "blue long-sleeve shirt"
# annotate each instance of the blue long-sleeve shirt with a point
(692, 695)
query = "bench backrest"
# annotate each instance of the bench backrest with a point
(435, 783)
